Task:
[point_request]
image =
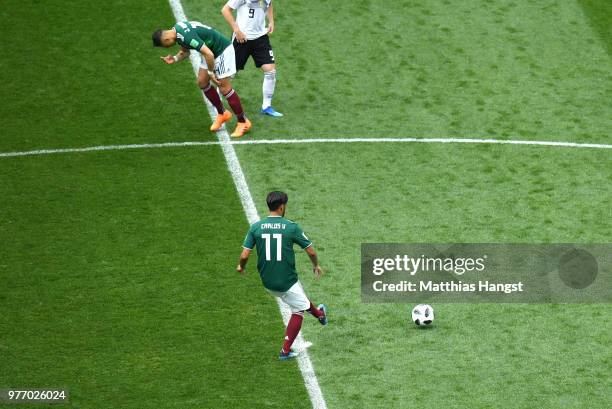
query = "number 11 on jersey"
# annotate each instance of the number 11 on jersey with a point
(279, 241)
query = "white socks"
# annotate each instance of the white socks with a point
(269, 83)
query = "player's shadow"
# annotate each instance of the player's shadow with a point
(423, 327)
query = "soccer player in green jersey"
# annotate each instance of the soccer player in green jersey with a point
(274, 238)
(218, 64)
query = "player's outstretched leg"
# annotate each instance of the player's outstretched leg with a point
(292, 331)
(269, 83)
(319, 313)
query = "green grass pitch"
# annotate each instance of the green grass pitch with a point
(117, 268)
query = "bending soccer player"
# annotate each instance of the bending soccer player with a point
(251, 39)
(274, 238)
(218, 64)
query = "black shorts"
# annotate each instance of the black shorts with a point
(260, 49)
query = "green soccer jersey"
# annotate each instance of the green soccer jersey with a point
(274, 237)
(193, 35)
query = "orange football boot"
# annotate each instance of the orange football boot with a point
(220, 120)
(241, 129)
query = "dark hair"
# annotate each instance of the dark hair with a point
(276, 199)
(156, 37)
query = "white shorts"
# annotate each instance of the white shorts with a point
(225, 64)
(294, 297)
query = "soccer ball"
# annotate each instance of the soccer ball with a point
(422, 314)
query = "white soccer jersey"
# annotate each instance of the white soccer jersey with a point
(251, 16)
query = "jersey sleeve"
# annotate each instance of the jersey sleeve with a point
(249, 240)
(234, 4)
(300, 238)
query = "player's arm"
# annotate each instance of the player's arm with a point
(247, 246)
(180, 56)
(228, 14)
(210, 62)
(244, 258)
(270, 19)
(314, 259)
(304, 242)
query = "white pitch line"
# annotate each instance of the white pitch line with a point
(107, 148)
(308, 141)
(233, 164)
(423, 140)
